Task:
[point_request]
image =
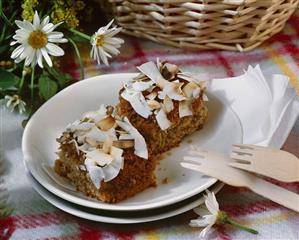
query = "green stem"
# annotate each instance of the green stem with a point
(22, 80)
(81, 34)
(4, 16)
(237, 225)
(78, 56)
(32, 84)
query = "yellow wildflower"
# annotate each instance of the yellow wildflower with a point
(28, 9)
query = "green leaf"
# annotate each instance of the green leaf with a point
(47, 87)
(7, 79)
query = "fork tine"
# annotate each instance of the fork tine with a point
(197, 153)
(241, 157)
(244, 146)
(191, 166)
(192, 159)
(243, 151)
(247, 167)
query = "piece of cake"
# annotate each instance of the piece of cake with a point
(111, 155)
(105, 157)
(164, 104)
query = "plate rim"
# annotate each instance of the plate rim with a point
(216, 187)
(84, 202)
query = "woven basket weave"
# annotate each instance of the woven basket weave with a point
(202, 24)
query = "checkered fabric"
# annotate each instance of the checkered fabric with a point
(35, 218)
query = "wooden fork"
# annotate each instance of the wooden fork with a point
(266, 161)
(216, 165)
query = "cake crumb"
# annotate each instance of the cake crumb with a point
(168, 153)
(165, 180)
(189, 141)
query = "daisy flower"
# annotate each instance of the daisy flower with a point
(104, 45)
(37, 41)
(211, 214)
(12, 102)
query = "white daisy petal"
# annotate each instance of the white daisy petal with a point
(48, 28)
(117, 41)
(39, 58)
(111, 49)
(46, 56)
(205, 231)
(54, 49)
(36, 20)
(52, 35)
(45, 21)
(20, 24)
(200, 222)
(103, 56)
(58, 40)
(17, 52)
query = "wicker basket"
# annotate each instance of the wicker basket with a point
(202, 24)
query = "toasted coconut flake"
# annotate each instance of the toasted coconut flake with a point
(142, 86)
(159, 64)
(188, 77)
(168, 104)
(86, 147)
(205, 97)
(190, 88)
(82, 168)
(152, 95)
(174, 91)
(185, 108)
(107, 145)
(101, 136)
(139, 142)
(91, 142)
(141, 77)
(162, 119)
(169, 71)
(196, 92)
(125, 136)
(153, 104)
(101, 158)
(123, 144)
(151, 71)
(111, 171)
(138, 103)
(96, 173)
(106, 123)
(82, 126)
(96, 115)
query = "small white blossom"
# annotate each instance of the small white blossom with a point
(104, 45)
(12, 102)
(208, 214)
(37, 41)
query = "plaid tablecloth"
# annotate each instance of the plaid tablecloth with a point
(35, 218)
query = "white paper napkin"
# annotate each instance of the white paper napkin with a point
(267, 108)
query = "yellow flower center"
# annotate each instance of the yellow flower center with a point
(100, 40)
(37, 39)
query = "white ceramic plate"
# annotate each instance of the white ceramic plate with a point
(39, 144)
(121, 217)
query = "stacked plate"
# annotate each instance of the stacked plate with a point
(178, 190)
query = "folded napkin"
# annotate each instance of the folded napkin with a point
(267, 107)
